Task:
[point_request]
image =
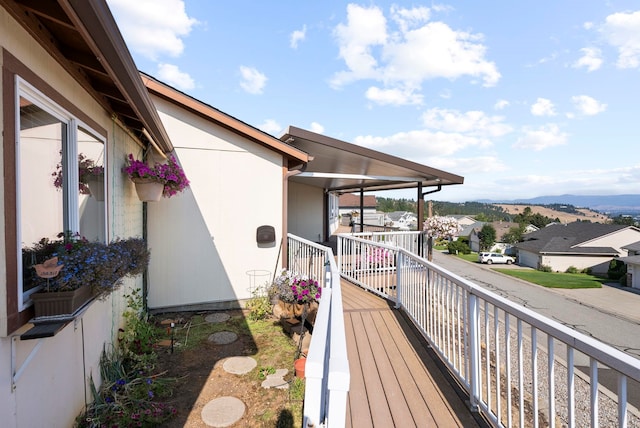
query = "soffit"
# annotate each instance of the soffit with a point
(344, 167)
(84, 38)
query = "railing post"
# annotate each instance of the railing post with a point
(339, 250)
(399, 265)
(474, 355)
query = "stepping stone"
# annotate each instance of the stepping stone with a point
(223, 412)
(223, 337)
(217, 317)
(276, 380)
(239, 365)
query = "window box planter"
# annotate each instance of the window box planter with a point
(60, 303)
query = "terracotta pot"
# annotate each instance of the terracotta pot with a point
(148, 190)
(299, 365)
(60, 303)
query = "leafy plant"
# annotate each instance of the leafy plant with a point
(259, 305)
(86, 169)
(170, 174)
(82, 262)
(130, 389)
(294, 288)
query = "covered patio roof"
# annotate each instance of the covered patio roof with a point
(344, 167)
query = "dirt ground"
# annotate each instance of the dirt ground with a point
(201, 378)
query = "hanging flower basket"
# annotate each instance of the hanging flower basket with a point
(148, 190)
(96, 186)
(169, 176)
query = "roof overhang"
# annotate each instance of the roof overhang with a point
(343, 167)
(84, 38)
(295, 157)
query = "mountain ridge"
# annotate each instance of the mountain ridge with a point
(629, 203)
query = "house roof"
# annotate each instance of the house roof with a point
(341, 166)
(84, 38)
(295, 156)
(569, 239)
(633, 247)
(632, 260)
(349, 200)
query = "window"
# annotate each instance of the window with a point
(60, 182)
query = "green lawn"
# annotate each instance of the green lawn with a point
(554, 279)
(546, 279)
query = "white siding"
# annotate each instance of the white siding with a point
(203, 241)
(305, 211)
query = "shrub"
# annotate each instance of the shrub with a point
(545, 268)
(260, 304)
(617, 269)
(455, 247)
(572, 269)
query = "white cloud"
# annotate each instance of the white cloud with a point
(153, 28)
(317, 128)
(420, 144)
(591, 59)
(622, 31)
(588, 106)
(480, 164)
(270, 126)
(542, 138)
(406, 56)
(393, 96)
(543, 107)
(253, 81)
(297, 36)
(173, 76)
(474, 123)
(501, 105)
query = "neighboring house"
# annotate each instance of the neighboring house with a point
(580, 244)
(463, 220)
(403, 220)
(69, 87)
(350, 209)
(633, 264)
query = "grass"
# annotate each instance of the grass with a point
(555, 279)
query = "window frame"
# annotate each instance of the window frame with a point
(12, 315)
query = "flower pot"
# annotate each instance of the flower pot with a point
(299, 365)
(60, 303)
(290, 310)
(96, 186)
(149, 190)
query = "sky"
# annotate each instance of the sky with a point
(521, 98)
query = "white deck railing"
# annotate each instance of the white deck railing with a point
(518, 367)
(327, 367)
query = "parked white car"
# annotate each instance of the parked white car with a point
(490, 258)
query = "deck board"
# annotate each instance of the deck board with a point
(395, 382)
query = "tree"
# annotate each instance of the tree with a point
(514, 234)
(487, 236)
(440, 227)
(624, 220)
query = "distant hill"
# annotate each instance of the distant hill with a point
(613, 204)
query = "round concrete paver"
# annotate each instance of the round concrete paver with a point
(223, 337)
(218, 317)
(239, 365)
(223, 412)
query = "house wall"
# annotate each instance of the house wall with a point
(598, 265)
(203, 241)
(305, 211)
(53, 385)
(634, 270)
(526, 258)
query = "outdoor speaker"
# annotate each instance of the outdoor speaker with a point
(266, 235)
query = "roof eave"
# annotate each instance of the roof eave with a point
(294, 156)
(95, 22)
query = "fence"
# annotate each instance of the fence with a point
(518, 367)
(327, 368)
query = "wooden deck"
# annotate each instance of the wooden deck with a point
(395, 381)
